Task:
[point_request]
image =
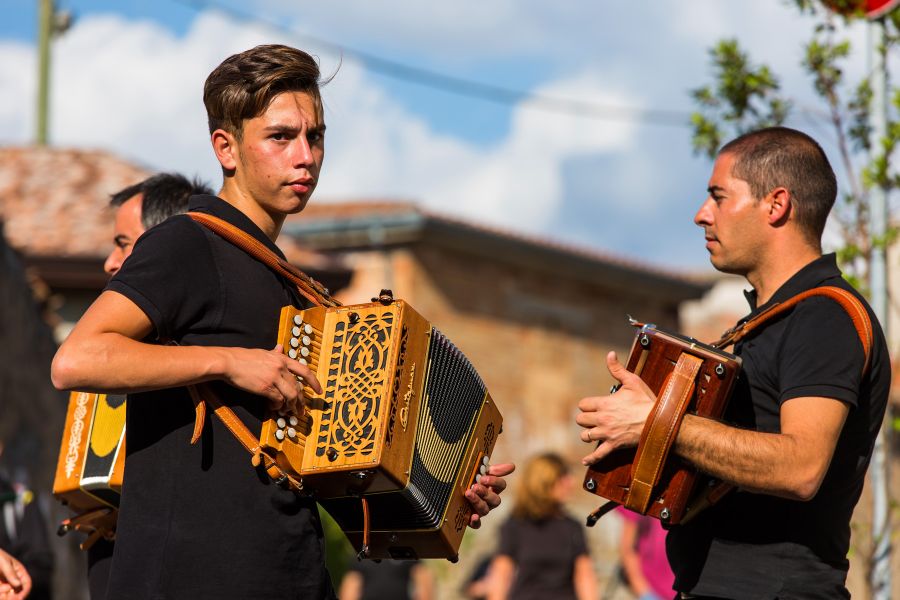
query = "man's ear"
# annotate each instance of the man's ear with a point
(225, 146)
(779, 203)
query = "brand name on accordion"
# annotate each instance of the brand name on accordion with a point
(404, 412)
(75, 437)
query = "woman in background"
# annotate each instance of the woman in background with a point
(543, 552)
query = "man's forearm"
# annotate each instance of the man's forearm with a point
(756, 461)
(113, 363)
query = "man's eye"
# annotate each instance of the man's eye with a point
(315, 137)
(278, 137)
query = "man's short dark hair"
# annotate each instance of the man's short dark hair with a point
(782, 157)
(164, 195)
(244, 84)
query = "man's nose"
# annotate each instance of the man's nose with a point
(113, 263)
(703, 216)
(302, 152)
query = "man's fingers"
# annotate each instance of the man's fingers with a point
(599, 452)
(9, 571)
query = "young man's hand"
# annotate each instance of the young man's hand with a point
(271, 374)
(616, 420)
(484, 495)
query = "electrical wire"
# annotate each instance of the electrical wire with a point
(462, 86)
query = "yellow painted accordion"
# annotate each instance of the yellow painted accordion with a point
(403, 426)
(92, 454)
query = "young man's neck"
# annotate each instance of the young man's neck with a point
(781, 266)
(269, 224)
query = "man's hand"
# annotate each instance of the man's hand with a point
(15, 583)
(271, 374)
(615, 420)
(484, 495)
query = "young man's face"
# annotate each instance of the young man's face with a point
(128, 228)
(280, 154)
(733, 220)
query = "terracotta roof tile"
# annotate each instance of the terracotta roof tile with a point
(53, 200)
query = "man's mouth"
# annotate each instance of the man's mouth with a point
(302, 186)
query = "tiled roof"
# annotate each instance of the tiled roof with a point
(53, 201)
(405, 214)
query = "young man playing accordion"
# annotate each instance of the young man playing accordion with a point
(188, 307)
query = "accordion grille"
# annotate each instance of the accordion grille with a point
(451, 402)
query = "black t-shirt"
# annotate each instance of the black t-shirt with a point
(544, 553)
(760, 546)
(199, 521)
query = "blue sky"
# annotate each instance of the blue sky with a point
(128, 77)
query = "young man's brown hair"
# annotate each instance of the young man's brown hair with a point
(244, 84)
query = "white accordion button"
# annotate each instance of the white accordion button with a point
(281, 423)
(306, 341)
(293, 421)
(482, 470)
(291, 432)
(279, 434)
(304, 351)
(292, 353)
(296, 332)
(302, 360)
(295, 342)
(307, 329)
(298, 320)
(486, 462)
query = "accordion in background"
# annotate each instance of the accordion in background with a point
(91, 463)
(403, 427)
(686, 376)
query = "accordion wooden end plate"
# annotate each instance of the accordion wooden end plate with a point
(92, 453)
(653, 357)
(403, 420)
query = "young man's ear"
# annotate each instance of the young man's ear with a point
(225, 146)
(779, 204)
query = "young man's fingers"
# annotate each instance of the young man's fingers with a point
(599, 452)
(305, 373)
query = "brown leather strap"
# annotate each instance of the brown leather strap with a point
(853, 307)
(308, 287)
(660, 430)
(202, 394)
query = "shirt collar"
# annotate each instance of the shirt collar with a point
(217, 207)
(812, 275)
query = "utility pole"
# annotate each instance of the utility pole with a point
(45, 31)
(50, 24)
(880, 578)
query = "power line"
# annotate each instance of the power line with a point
(462, 86)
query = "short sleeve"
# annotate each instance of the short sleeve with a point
(172, 277)
(821, 353)
(579, 541)
(509, 539)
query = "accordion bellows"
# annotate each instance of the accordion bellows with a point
(404, 420)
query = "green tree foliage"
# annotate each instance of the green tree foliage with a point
(744, 96)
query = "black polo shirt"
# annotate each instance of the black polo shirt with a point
(199, 521)
(760, 546)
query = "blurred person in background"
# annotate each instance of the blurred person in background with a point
(543, 552)
(26, 563)
(387, 580)
(642, 552)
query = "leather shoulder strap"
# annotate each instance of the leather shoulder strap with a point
(851, 305)
(308, 287)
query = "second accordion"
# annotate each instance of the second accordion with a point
(404, 424)
(687, 376)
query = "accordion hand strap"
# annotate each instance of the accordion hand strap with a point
(660, 430)
(202, 395)
(308, 287)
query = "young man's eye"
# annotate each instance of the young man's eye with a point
(278, 137)
(315, 137)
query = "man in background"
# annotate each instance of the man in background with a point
(138, 208)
